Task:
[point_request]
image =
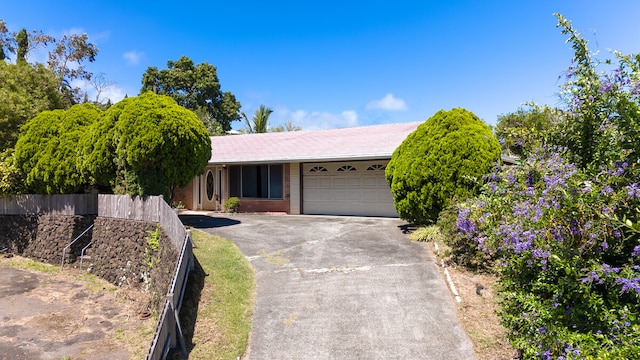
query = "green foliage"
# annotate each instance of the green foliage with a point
(158, 145)
(260, 121)
(569, 271)
(147, 145)
(426, 233)
(526, 129)
(464, 250)
(25, 91)
(232, 204)
(152, 257)
(47, 151)
(563, 227)
(67, 61)
(601, 109)
(288, 126)
(10, 178)
(197, 88)
(23, 44)
(442, 160)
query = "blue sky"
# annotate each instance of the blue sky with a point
(328, 64)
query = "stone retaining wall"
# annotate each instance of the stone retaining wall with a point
(119, 254)
(43, 237)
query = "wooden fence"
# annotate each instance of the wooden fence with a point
(168, 332)
(69, 205)
(150, 209)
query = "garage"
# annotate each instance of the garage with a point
(346, 188)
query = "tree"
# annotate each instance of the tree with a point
(25, 91)
(6, 41)
(10, 41)
(288, 126)
(157, 145)
(194, 87)
(525, 130)
(100, 84)
(442, 159)
(23, 44)
(47, 151)
(600, 121)
(260, 121)
(67, 63)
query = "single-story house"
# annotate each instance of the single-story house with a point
(336, 171)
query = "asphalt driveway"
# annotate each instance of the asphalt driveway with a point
(342, 288)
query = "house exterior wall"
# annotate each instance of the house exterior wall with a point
(295, 189)
(185, 195)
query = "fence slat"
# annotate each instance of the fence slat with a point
(67, 204)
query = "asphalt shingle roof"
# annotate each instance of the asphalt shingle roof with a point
(356, 143)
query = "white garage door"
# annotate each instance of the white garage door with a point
(347, 188)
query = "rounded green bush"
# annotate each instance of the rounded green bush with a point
(442, 159)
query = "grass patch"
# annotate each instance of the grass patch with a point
(427, 233)
(218, 305)
(94, 284)
(22, 263)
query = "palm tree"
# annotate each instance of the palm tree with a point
(260, 123)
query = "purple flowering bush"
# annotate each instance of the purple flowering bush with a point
(562, 228)
(567, 254)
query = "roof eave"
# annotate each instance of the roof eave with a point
(303, 160)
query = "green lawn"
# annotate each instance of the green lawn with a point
(218, 308)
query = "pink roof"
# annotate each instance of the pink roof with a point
(356, 143)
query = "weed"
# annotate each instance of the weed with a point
(232, 204)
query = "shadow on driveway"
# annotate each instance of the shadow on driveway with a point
(206, 222)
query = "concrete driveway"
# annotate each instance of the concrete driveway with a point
(342, 288)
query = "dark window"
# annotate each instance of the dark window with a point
(376, 167)
(234, 181)
(276, 181)
(347, 168)
(318, 169)
(256, 181)
(209, 185)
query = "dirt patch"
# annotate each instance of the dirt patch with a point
(53, 315)
(477, 311)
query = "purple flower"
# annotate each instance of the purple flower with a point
(633, 190)
(540, 254)
(629, 284)
(607, 269)
(464, 224)
(636, 251)
(607, 190)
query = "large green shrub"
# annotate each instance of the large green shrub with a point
(47, 151)
(157, 145)
(147, 145)
(443, 159)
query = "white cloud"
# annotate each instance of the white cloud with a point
(133, 57)
(389, 102)
(73, 31)
(314, 120)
